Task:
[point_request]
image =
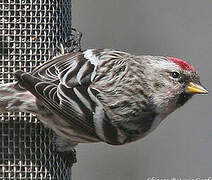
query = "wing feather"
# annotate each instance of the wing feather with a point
(61, 84)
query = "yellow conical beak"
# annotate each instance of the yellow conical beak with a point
(195, 89)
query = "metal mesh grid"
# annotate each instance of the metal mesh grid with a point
(30, 33)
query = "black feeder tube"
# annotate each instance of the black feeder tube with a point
(32, 32)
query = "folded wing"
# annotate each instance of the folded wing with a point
(63, 86)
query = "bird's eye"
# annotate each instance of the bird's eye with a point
(175, 74)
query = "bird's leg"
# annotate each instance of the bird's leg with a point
(65, 148)
(69, 156)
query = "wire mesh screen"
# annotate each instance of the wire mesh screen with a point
(30, 33)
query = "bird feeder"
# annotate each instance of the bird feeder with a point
(31, 32)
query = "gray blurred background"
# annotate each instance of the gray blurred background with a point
(182, 145)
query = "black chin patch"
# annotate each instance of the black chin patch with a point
(183, 98)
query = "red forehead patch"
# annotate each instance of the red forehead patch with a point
(184, 65)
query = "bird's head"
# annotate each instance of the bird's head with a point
(174, 82)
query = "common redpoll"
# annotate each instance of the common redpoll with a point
(102, 94)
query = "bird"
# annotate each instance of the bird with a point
(102, 95)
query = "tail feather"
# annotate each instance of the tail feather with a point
(25, 80)
(15, 99)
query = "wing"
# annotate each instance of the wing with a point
(63, 86)
(67, 85)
